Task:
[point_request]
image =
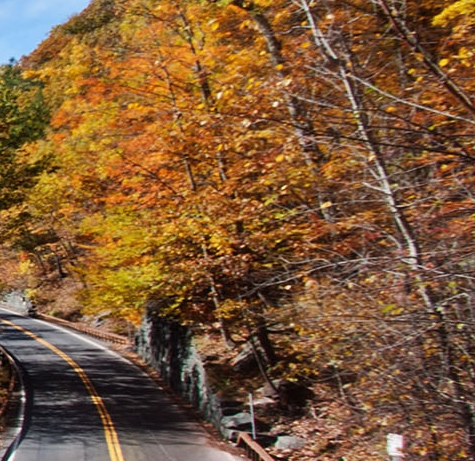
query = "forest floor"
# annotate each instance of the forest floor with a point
(327, 424)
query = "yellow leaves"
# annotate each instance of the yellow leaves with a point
(247, 23)
(460, 15)
(25, 266)
(465, 53)
(418, 56)
(444, 62)
(466, 56)
(79, 60)
(133, 106)
(132, 314)
(31, 74)
(264, 3)
(214, 25)
(392, 309)
(464, 8)
(230, 309)
(422, 451)
(220, 243)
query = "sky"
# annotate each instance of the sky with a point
(24, 24)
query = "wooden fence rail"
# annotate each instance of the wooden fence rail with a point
(110, 337)
(254, 451)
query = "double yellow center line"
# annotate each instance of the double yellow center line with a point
(115, 451)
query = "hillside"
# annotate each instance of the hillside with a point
(295, 174)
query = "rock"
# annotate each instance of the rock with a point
(230, 434)
(268, 391)
(230, 426)
(264, 401)
(210, 358)
(239, 421)
(245, 361)
(167, 346)
(99, 319)
(231, 407)
(288, 442)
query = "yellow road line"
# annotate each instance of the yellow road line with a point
(115, 451)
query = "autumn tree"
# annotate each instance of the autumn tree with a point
(294, 168)
(373, 117)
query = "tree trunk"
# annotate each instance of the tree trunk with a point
(303, 126)
(408, 239)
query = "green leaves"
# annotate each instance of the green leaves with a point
(23, 119)
(23, 113)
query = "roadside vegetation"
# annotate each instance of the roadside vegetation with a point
(295, 174)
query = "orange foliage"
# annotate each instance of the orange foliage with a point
(280, 163)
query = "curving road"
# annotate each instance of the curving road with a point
(85, 402)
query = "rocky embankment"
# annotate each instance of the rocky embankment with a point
(168, 347)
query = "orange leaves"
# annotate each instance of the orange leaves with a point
(293, 164)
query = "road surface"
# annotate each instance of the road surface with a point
(85, 402)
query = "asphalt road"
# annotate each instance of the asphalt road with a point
(85, 402)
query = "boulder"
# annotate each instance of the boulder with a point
(240, 421)
(245, 361)
(264, 402)
(230, 426)
(288, 442)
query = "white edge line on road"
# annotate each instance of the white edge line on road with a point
(70, 332)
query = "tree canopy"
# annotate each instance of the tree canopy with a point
(295, 167)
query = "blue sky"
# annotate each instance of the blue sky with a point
(26, 23)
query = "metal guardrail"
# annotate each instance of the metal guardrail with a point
(110, 337)
(254, 451)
